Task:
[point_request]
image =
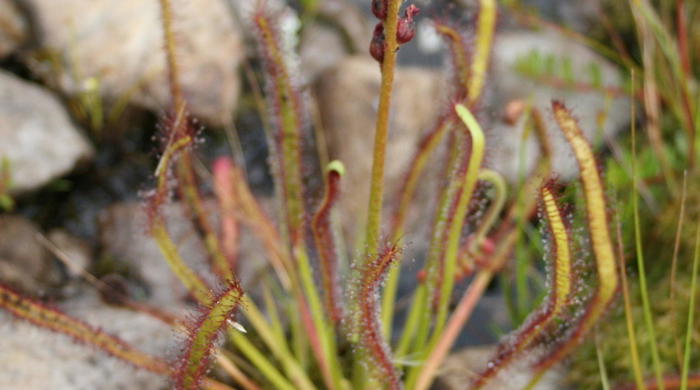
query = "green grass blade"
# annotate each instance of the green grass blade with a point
(644, 290)
(691, 313)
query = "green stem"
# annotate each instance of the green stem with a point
(454, 231)
(374, 214)
(629, 321)
(194, 284)
(320, 320)
(648, 320)
(691, 313)
(374, 208)
(278, 346)
(417, 167)
(262, 364)
(477, 154)
(447, 338)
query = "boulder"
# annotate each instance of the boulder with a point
(340, 29)
(38, 138)
(76, 253)
(24, 263)
(536, 67)
(35, 358)
(13, 27)
(125, 241)
(119, 44)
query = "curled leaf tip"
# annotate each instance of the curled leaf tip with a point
(336, 166)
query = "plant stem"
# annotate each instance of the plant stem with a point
(631, 334)
(460, 316)
(171, 58)
(376, 195)
(691, 313)
(674, 263)
(265, 367)
(426, 148)
(642, 272)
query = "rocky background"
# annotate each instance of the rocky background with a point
(82, 84)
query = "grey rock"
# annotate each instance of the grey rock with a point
(76, 253)
(37, 136)
(24, 262)
(124, 239)
(13, 28)
(460, 368)
(340, 29)
(349, 19)
(34, 358)
(571, 13)
(321, 48)
(348, 97)
(119, 44)
(504, 140)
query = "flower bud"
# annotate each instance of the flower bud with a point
(379, 8)
(421, 276)
(406, 28)
(378, 45)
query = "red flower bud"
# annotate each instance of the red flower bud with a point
(406, 28)
(421, 276)
(378, 45)
(488, 246)
(379, 8)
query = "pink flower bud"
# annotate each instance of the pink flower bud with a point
(379, 8)
(406, 28)
(488, 246)
(378, 45)
(421, 276)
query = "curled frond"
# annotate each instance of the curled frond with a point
(325, 242)
(469, 179)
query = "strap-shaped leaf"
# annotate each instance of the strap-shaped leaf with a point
(200, 343)
(57, 321)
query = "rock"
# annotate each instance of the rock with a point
(13, 27)
(321, 48)
(35, 358)
(518, 53)
(340, 29)
(76, 252)
(350, 19)
(124, 240)
(37, 136)
(571, 13)
(120, 45)
(348, 97)
(460, 367)
(24, 262)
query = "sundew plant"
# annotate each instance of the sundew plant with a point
(319, 326)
